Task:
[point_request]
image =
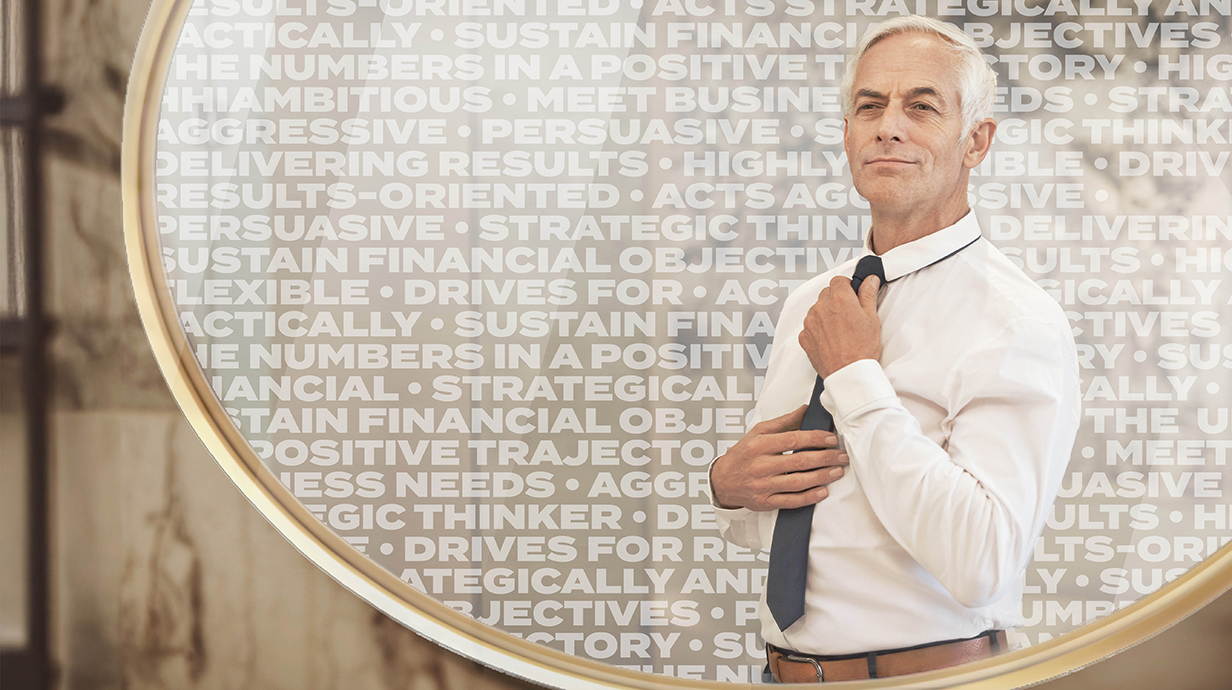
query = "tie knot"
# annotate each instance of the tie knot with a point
(868, 266)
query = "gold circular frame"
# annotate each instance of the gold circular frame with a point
(426, 616)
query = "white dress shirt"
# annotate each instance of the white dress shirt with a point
(958, 440)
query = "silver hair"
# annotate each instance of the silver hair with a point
(977, 82)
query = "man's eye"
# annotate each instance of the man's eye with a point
(924, 106)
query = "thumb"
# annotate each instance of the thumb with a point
(868, 294)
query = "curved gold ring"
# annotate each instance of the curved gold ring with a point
(434, 620)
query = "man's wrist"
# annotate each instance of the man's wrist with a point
(714, 496)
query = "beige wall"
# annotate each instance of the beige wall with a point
(165, 576)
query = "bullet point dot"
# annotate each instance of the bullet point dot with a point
(1101, 163)
(509, 99)
(1101, 195)
(695, 645)
(699, 291)
(636, 4)
(716, 612)
(414, 388)
(1091, 99)
(387, 292)
(437, 34)
(797, 131)
(1139, 67)
(1140, 356)
(438, 324)
(1088, 452)
(665, 163)
(1212, 388)
(1082, 580)
(464, 131)
(1157, 260)
(387, 549)
(639, 516)
(1176, 516)
(636, 195)
(461, 227)
(571, 484)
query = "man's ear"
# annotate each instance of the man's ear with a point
(978, 143)
(845, 147)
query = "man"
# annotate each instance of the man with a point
(953, 389)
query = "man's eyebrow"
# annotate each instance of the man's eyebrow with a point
(914, 93)
(924, 91)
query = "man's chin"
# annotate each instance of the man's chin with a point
(886, 197)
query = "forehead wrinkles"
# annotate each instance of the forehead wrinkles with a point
(900, 64)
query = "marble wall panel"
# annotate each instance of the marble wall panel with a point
(101, 354)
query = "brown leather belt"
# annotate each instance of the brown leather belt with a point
(794, 667)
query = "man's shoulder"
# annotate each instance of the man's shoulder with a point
(1008, 294)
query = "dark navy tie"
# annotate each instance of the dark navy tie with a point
(785, 583)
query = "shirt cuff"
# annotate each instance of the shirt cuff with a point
(858, 385)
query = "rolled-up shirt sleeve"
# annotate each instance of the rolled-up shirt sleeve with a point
(970, 508)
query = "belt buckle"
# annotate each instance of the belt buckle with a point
(816, 666)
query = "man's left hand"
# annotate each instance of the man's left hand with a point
(842, 327)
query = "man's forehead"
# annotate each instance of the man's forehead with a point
(909, 64)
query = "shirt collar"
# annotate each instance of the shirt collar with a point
(917, 254)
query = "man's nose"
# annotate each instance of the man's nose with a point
(892, 126)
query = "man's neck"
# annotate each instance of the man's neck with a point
(890, 230)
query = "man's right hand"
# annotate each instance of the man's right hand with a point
(761, 472)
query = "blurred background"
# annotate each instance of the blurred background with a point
(127, 560)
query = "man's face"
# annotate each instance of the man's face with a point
(902, 134)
